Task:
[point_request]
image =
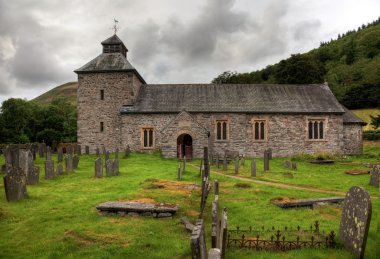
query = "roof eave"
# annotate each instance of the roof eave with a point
(111, 71)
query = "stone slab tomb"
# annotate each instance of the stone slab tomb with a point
(356, 218)
(157, 210)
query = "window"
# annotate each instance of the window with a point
(259, 130)
(316, 129)
(101, 126)
(148, 137)
(221, 130)
(101, 94)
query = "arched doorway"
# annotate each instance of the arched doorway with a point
(185, 146)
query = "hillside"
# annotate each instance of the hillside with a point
(350, 64)
(68, 90)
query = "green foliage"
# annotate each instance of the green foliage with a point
(22, 121)
(371, 134)
(350, 64)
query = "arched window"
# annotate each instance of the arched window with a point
(221, 130)
(259, 129)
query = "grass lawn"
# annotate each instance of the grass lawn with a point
(59, 219)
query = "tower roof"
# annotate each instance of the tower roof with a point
(113, 40)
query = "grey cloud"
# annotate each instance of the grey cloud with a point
(306, 29)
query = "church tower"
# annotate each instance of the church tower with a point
(105, 84)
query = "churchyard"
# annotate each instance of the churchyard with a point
(59, 218)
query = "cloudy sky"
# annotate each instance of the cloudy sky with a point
(169, 41)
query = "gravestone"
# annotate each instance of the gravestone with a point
(179, 173)
(107, 156)
(127, 151)
(225, 164)
(109, 171)
(54, 146)
(115, 167)
(33, 177)
(48, 153)
(87, 150)
(97, 152)
(266, 160)
(216, 187)
(198, 241)
(69, 150)
(201, 168)
(217, 161)
(98, 168)
(184, 164)
(294, 165)
(242, 162)
(79, 150)
(49, 169)
(59, 169)
(253, 168)
(104, 150)
(33, 149)
(269, 153)
(76, 159)
(356, 218)
(60, 155)
(117, 153)
(69, 163)
(206, 161)
(374, 179)
(41, 152)
(24, 161)
(236, 165)
(15, 184)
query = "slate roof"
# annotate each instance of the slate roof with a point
(109, 62)
(112, 40)
(247, 98)
(350, 118)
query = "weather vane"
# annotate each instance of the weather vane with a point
(115, 28)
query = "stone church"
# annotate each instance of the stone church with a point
(116, 107)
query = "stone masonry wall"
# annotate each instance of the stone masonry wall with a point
(120, 88)
(352, 139)
(286, 134)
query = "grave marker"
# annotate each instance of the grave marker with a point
(15, 184)
(59, 169)
(374, 179)
(87, 150)
(115, 166)
(198, 241)
(356, 218)
(217, 161)
(69, 163)
(97, 151)
(117, 153)
(236, 165)
(109, 171)
(253, 168)
(98, 168)
(184, 164)
(225, 163)
(49, 169)
(79, 149)
(266, 160)
(75, 161)
(179, 176)
(60, 155)
(206, 161)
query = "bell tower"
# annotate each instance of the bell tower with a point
(105, 84)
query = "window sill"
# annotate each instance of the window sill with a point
(316, 140)
(221, 141)
(148, 148)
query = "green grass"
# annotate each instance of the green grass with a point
(59, 219)
(364, 114)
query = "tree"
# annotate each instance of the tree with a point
(375, 121)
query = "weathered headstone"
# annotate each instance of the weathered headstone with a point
(225, 164)
(253, 168)
(117, 153)
(24, 160)
(87, 150)
(216, 187)
(184, 164)
(236, 165)
(76, 161)
(48, 153)
(69, 150)
(98, 168)
(179, 173)
(206, 161)
(104, 150)
(107, 156)
(127, 151)
(15, 184)
(201, 168)
(59, 169)
(41, 152)
(69, 163)
(374, 179)
(109, 167)
(34, 176)
(60, 155)
(97, 151)
(356, 218)
(33, 149)
(215, 222)
(266, 160)
(115, 166)
(49, 169)
(198, 241)
(79, 150)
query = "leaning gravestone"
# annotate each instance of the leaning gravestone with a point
(49, 169)
(79, 150)
(115, 166)
(198, 241)
(374, 180)
(87, 150)
(59, 169)
(98, 168)
(69, 163)
(253, 168)
(15, 184)
(356, 217)
(109, 171)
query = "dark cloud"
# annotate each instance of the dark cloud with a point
(304, 30)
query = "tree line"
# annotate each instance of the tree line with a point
(349, 64)
(23, 121)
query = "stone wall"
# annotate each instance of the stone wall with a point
(352, 139)
(286, 134)
(120, 88)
